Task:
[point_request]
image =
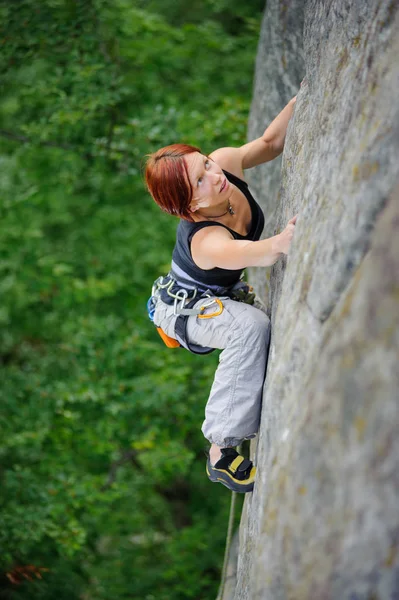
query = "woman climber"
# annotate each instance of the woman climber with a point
(203, 303)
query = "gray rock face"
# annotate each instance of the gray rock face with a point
(280, 68)
(323, 520)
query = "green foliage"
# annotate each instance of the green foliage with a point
(102, 470)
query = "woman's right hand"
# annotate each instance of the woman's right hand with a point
(285, 237)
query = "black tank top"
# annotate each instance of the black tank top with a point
(184, 269)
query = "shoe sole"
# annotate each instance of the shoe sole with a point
(229, 483)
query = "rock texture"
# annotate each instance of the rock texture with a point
(323, 520)
(280, 68)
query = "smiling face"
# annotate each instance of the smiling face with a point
(209, 183)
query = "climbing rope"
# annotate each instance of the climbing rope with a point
(228, 540)
(228, 543)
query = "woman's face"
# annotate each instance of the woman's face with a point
(210, 186)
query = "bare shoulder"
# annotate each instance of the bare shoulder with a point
(229, 159)
(203, 242)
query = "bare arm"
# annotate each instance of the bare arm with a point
(263, 149)
(215, 247)
(277, 129)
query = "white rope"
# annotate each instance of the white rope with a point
(228, 540)
(228, 543)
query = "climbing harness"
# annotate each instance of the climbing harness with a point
(170, 291)
(183, 299)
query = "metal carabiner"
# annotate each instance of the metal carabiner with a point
(181, 295)
(215, 314)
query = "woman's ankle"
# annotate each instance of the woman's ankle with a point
(215, 454)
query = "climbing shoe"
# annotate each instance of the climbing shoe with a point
(233, 470)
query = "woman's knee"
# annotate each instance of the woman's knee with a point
(255, 326)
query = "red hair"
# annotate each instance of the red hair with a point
(166, 176)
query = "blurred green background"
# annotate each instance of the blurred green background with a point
(103, 490)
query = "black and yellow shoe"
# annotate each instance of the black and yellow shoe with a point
(233, 470)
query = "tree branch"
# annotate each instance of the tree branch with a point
(128, 455)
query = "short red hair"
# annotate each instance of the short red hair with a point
(166, 176)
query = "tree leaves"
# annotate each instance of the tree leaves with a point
(102, 477)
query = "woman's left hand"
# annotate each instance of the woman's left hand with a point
(303, 82)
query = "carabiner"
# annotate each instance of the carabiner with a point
(182, 295)
(215, 314)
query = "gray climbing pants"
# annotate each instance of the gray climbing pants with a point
(232, 413)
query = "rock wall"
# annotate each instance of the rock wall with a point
(323, 520)
(280, 68)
